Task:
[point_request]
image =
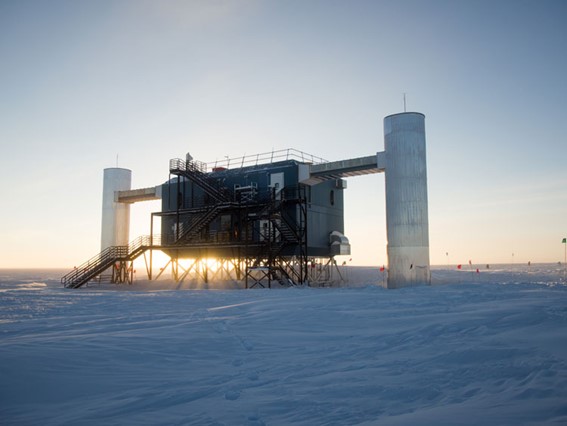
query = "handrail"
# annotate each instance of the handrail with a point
(109, 255)
(177, 164)
(196, 171)
(92, 262)
(265, 158)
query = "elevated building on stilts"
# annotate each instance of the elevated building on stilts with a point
(268, 219)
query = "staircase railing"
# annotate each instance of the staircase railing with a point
(140, 244)
(199, 224)
(81, 274)
(106, 258)
(196, 171)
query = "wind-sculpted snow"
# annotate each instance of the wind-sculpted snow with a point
(487, 348)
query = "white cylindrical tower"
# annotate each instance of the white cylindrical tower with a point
(115, 216)
(406, 200)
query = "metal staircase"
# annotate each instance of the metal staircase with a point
(104, 260)
(282, 267)
(199, 223)
(196, 171)
(284, 278)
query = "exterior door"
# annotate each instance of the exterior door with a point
(277, 184)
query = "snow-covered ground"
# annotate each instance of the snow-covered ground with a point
(486, 348)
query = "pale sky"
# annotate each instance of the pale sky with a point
(82, 82)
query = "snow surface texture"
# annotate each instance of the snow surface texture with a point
(487, 348)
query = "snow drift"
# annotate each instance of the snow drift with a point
(486, 348)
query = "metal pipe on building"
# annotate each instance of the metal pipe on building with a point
(406, 200)
(115, 215)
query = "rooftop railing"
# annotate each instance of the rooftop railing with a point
(264, 158)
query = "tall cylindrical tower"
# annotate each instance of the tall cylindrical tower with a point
(406, 200)
(115, 216)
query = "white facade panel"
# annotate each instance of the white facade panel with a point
(115, 215)
(406, 200)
